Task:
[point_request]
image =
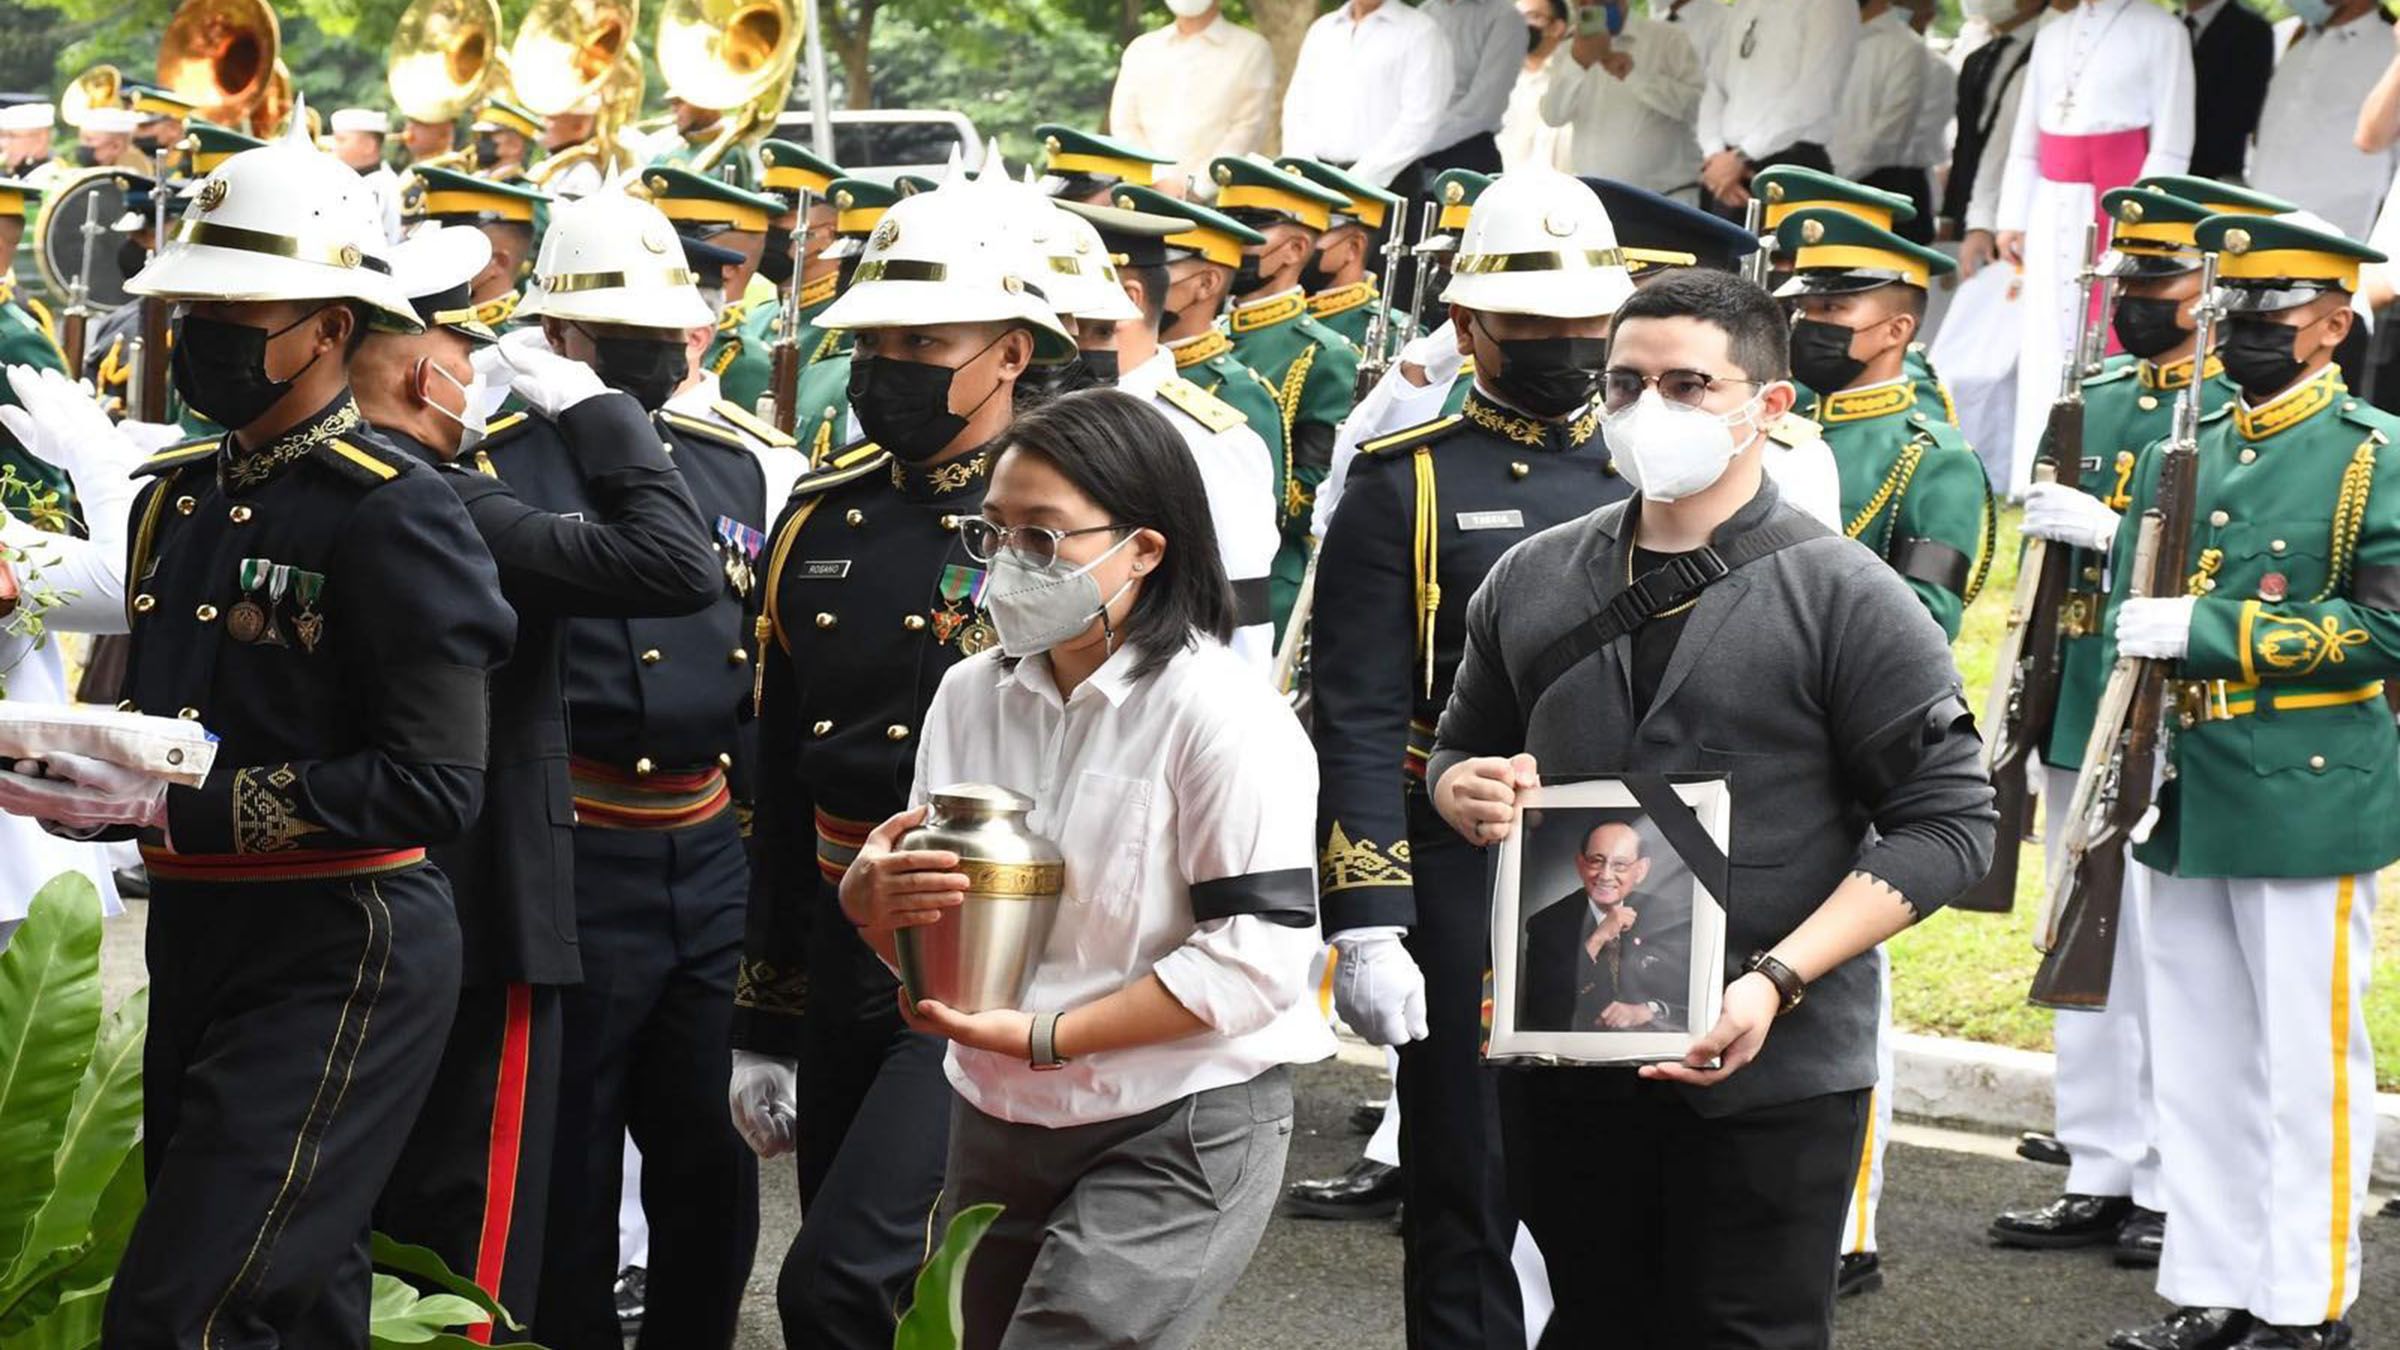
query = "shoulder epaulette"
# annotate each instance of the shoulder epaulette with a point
(1792, 430)
(2111, 372)
(510, 425)
(1413, 437)
(848, 465)
(177, 455)
(1200, 405)
(1323, 336)
(2224, 409)
(702, 428)
(726, 356)
(754, 424)
(361, 461)
(2358, 412)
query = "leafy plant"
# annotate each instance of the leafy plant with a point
(70, 1124)
(936, 1320)
(403, 1315)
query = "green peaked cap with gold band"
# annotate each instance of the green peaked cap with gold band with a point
(858, 207)
(699, 201)
(501, 115)
(1069, 152)
(791, 169)
(2271, 263)
(1786, 188)
(1457, 191)
(455, 198)
(212, 145)
(2219, 198)
(1369, 205)
(1258, 187)
(1836, 253)
(1212, 235)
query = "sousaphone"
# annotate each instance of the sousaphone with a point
(445, 54)
(221, 56)
(566, 50)
(736, 56)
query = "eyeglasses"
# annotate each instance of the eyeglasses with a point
(1619, 387)
(1601, 862)
(1037, 544)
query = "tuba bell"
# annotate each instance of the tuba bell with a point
(566, 50)
(444, 56)
(221, 55)
(736, 56)
(99, 87)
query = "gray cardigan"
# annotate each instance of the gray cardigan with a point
(1817, 681)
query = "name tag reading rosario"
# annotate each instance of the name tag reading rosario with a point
(1608, 921)
(1491, 520)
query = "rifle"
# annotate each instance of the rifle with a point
(2024, 695)
(1375, 355)
(783, 377)
(75, 320)
(1422, 251)
(1294, 646)
(2112, 805)
(1760, 264)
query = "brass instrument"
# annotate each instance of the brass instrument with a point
(566, 50)
(737, 56)
(445, 54)
(275, 108)
(99, 87)
(221, 55)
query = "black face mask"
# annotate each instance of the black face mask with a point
(220, 368)
(1821, 356)
(647, 368)
(131, 256)
(1547, 377)
(904, 406)
(2258, 356)
(487, 151)
(1313, 276)
(2147, 327)
(1247, 280)
(148, 145)
(86, 156)
(1533, 39)
(1100, 364)
(775, 263)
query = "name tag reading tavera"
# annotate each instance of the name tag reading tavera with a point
(1491, 520)
(825, 569)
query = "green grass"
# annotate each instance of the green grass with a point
(1966, 974)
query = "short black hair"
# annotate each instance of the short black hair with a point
(1124, 455)
(1756, 332)
(1152, 278)
(1560, 11)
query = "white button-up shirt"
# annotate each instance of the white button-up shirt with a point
(1369, 92)
(1487, 49)
(2303, 151)
(1880, 98)
(1638, 129)
(1775, 74)
(1242, 495)
(1194, 778)
(1195, 97)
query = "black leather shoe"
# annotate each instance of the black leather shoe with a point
(2187, 1329)
(2035, 1146)
(1369, 1190)
(1366, 1117)
(2069, 1221)
(2141, 1237)
(133, 883)
(633, 1297)
(2323, 1336)
(1860, 1273)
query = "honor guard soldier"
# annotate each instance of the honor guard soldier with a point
(695, 129)
(701, 397)
(2281, 803)
(734, 218)
(212, 145)
(1313, 370)
(474, 1181)
(1426, 514)
(1095, 253)
(655, 707)
(869, 599)
(1339, 277)
(2106, 1116)
(504, 137)
(1787, 188)
(1084, 166)
(1911, 490)
(791, 173)
(506, 213)
(822, 398)
(22, 340)
(319, 601)
(1201, 261)
(161, 117)
(108, 348)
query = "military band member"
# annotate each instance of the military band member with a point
(574, 156)
(869, 599)
(821, 400)
(1340, 275)
(421, 142)
(504, 138)
(2104, 1104)
(735, 218)
(1426, 514)
(107, 346)
(163, 114)
(320, 602)
(27, 126)
(1787, 188)
(358, 135)
(695, 130)
(474, 1181)
(1084, 166)
(655, 707)
(2282, 801)
(505, 213)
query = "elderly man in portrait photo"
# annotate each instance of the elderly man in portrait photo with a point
(1608, 957)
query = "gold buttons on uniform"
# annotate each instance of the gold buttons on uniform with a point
(643, 765)
(854, 517)
(2248, 455)
(2091, 574)
(184, 506)
(125, 705)
(949, 522)
(2316, 761)
(143, 604)
(1518, 468)
(895, 732)
(914, 623)
(2219, 519)
(205, 614)
(239, 515)
(653, 656)
(738, 656)
(821, 729)
(188, 714)
(724, 760)
(826, 620)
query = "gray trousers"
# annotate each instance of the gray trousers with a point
(1127, 1232)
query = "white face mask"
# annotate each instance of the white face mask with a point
(471, 420)
(1990, 11)
(1037, 606)
(1189, 9)
(1667, 451)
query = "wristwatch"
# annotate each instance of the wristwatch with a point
(1787, 981)
(1042, 1050)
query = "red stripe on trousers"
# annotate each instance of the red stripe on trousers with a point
(508, 1129)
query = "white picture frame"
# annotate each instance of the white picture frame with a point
(1591, 848)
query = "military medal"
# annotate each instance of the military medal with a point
(279, 580)
(309, 625)
(246, 620)
(962, 596)
(741, 546)
(976, 637)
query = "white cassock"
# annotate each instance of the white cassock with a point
(1240, 477)
(2109, 66)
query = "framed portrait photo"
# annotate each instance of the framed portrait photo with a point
(1608, 920)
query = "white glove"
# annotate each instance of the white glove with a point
(2069, 516)
(764, 1097)
(1437, 352)
(549, 382)
(152, 437)
(83, 793)
(62, 424)
(2161, 628)
(1377, 987)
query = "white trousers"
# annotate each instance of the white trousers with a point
(2266, 1089)
(2107, 1112)
(1866, 1193)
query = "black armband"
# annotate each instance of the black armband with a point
(1934, 563)
(1287, 898)
(1887, 761)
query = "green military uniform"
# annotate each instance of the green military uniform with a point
(742, 356)
(1349, 309)
(1084, 166)
(822, 398)
(501, 115)
(1912, 489)
(1208, 361)
(1931, 392)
